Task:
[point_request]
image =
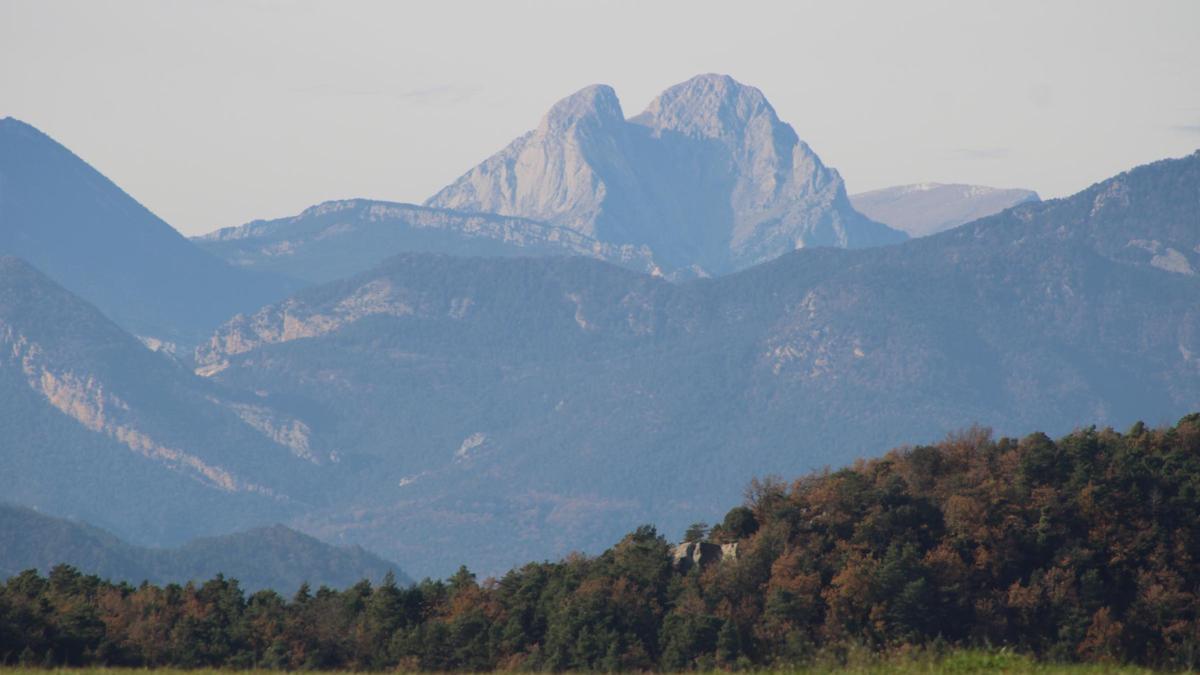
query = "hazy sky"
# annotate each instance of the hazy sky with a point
(216, 113)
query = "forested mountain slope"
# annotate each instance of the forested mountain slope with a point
(531, 407)
(97, 426)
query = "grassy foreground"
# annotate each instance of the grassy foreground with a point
(854, 664)
(966, 661)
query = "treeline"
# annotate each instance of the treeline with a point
(1081, 549)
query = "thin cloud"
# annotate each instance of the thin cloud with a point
(1187, 128)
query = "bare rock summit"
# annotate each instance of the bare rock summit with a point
(707, 176)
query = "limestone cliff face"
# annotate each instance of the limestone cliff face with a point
(707, 176)
(423, 290)
(560, 172)
(297, 318)
(122, 395)
(776, 193)
(691, 554)
(84, 398)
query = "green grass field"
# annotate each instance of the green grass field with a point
(962, 662)
(955, 662)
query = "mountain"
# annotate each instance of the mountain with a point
(927, 208)
(342, 238)
(707, 176)
(87, 234)
(707, 180)
(494, 410)
(270, 557)
(97, 426)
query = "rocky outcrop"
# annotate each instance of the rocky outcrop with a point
(691, 554)
(401, 288)
(113, 397)
(84, 398)
(707, 177)
(560, 172)
(295, 318)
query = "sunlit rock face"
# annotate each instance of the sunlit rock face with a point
(707, 176)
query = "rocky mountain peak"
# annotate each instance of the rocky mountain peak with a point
(707, 177)
(596, 104)
(20, 139)
(709, 106)
(11, 263)
(17, 137)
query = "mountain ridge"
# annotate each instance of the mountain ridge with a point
(273, 556)
(577, 386)
(81, 229)
(921, 209)
(438, 407)
(340, 238)
(705, 181)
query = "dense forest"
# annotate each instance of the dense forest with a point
(1080, 549)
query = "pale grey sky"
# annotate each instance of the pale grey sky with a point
(216, 113)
